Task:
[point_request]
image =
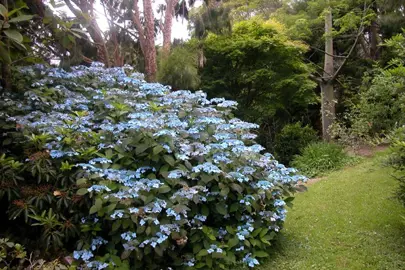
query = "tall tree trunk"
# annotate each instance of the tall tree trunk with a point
(6, 82)
(167, 28)
(327, 91)
(149, 48)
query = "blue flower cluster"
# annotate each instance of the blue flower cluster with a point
(167, 164)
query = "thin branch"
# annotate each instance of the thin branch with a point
(118, 15)
(359, 33)
(321, 77)
(74, 10)
(138, 25)
(337, 56)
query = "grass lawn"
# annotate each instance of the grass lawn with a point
(348, 220)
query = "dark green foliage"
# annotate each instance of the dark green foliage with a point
(291, 140)
(261, 68)
(99, 163)
(210, 20)
(31, 190)
(321, 157)
(180, 69)
(13, 256)
(378, 108)
(381, 105)
(397, 159)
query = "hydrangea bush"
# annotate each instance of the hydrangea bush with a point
(171, 178)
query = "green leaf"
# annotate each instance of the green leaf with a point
(256, 232)
(157, 149)
(237, 187)
(225, 191)
(230, 230)
(81, 181)
(217, 255)
(141, 148)
(205, 210)
(221, 208)
(19, 45)
(82, 191)
(22, 18)
(3, 11)
(169, 160)
(196, 248)
(260, 254)
(208, 261)
(93, 209)
(263, 232)
(98, 203)
(202, 253)
(14, 35)
(159, 251)
(233, 242)
(125, 254)
(116, 225)
(11, 13)
(206, 178)
(234, 207)
(148, 230)
(254, 242)
(164, 189)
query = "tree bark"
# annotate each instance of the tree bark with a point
(167, 27)
(327, 91)
(6, 82)
(150, 49)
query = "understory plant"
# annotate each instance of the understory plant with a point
(291, 140)
(396, 159)
(321, 157)
(131, 175)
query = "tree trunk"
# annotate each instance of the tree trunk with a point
(328, 108)
(149, 48)
(167, 28)
(6, 82)
(327, 91)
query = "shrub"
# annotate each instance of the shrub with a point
(396, 159)
(291, 140)
(180, 69)
(381, 108)
(261, 68)
(13, 256)
(321, 157)
(139, 176)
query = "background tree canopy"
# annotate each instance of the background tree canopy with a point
(264, 70)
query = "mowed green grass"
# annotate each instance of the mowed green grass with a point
(348, 220)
